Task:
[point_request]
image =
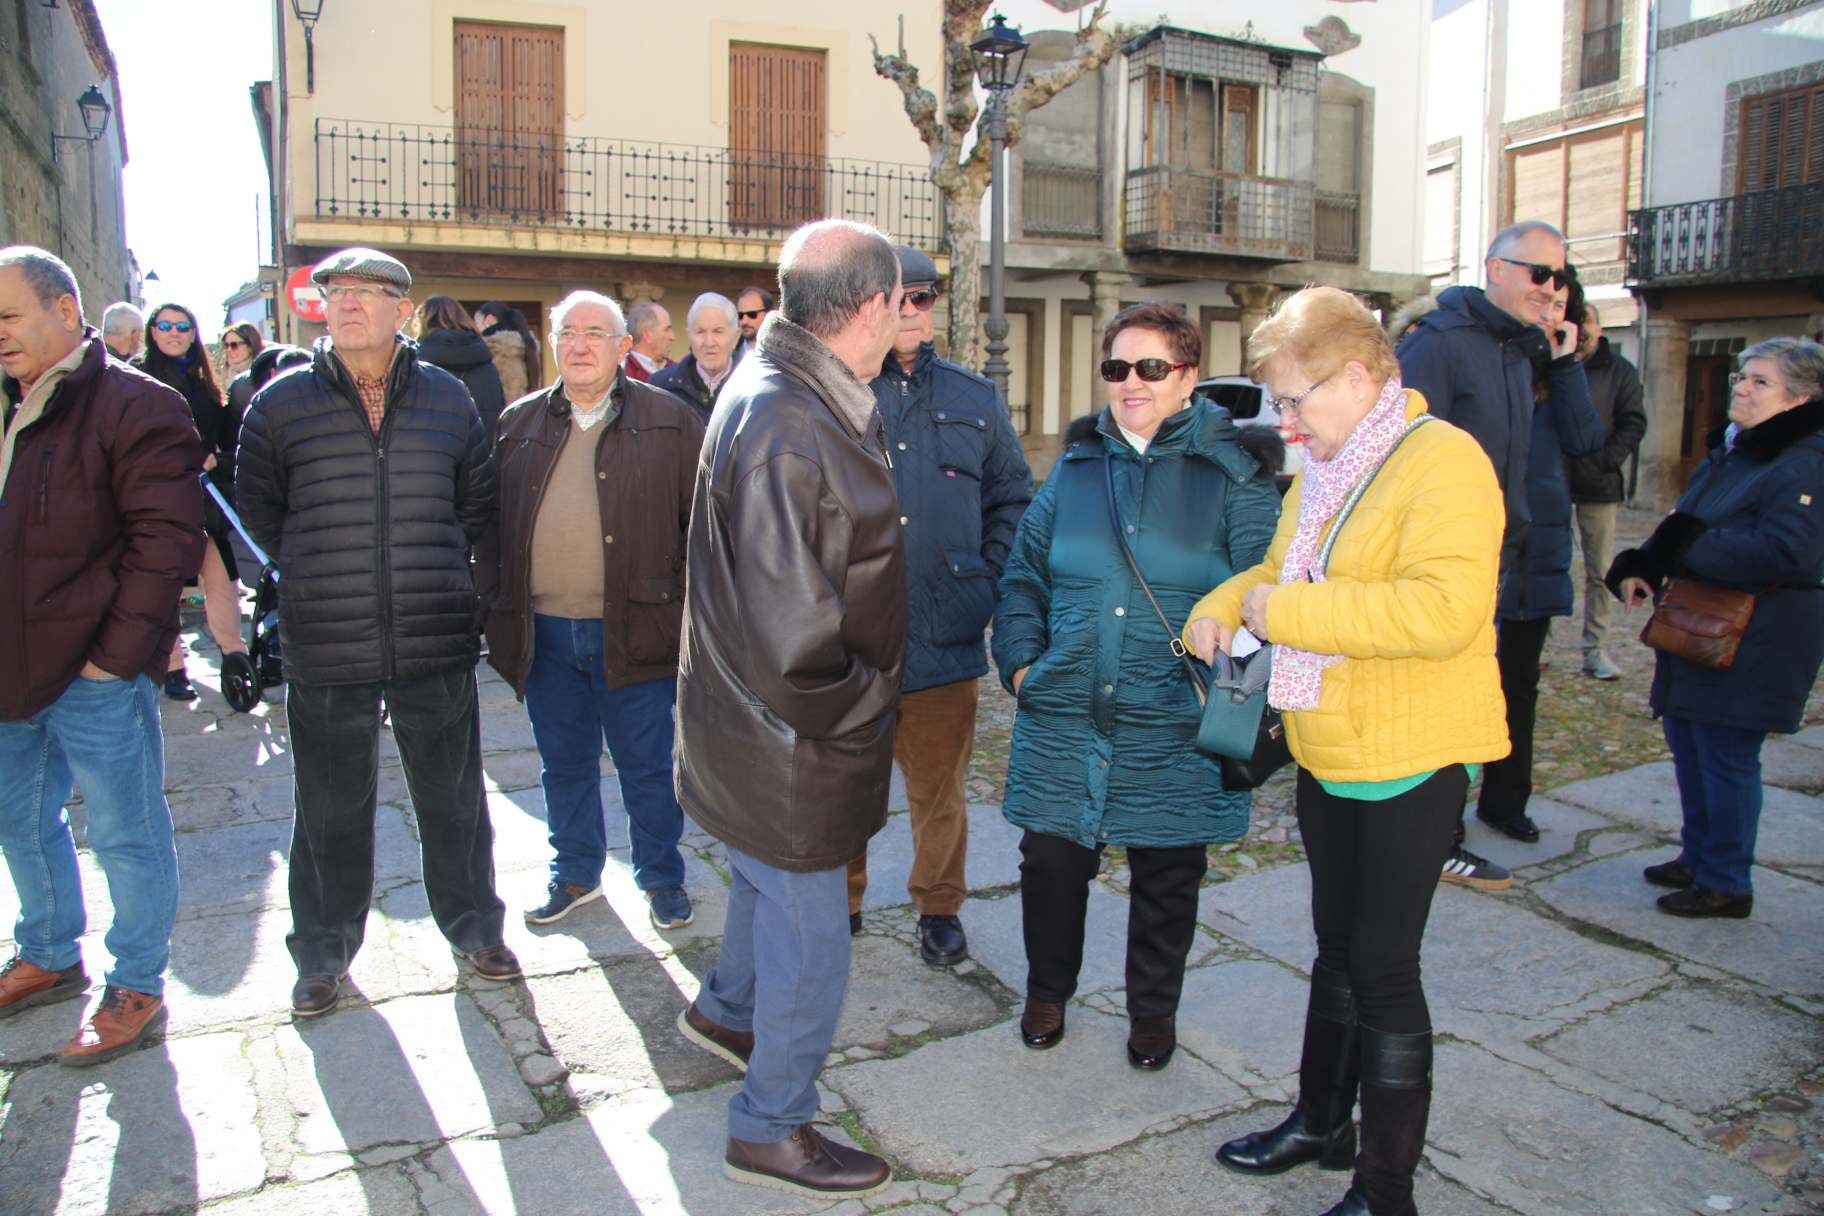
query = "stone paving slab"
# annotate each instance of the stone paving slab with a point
(1560, 825)
(381, 1191)
(1512, 1136)
(994, 856)
(167, 1127)
(1778, 946)
(641, 1155)
(1081, 1096)
(1715, 1045)
(1492, 966)
(1177, 1172)
(1246, 1017)
(894, 995)
(1792, 823)
(1791, 764)
(615, 1022)
(438, 1062)
(199, 808)
(1811, 736)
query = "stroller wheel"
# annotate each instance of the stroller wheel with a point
(240, 682)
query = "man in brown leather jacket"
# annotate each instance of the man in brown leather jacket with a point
(101, 524)
(582, 565)
(794, 637)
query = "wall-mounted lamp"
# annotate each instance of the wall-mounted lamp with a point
(95, 110)
(308, 13)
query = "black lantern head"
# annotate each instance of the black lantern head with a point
(307, 11)
(1000, 56)
(95, 110)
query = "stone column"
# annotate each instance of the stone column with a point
(1104, 301)
(1255, 300)
(1663, 358)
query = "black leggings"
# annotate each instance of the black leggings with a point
(1374, 866)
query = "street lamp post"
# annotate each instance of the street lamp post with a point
(94, 107)
(308, 13)
(1000, 55)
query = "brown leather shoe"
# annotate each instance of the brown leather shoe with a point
(1151, 1042)
(805, 1163)
(492, 962)
(313, 995)
(735, 1046)
(23, 985)
(124, 1021)
(1042, 1024)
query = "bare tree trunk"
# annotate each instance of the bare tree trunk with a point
(963, 234)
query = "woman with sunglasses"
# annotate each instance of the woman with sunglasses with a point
(239, 343)
(1104, 738)
(1384, 668)
(176, 357)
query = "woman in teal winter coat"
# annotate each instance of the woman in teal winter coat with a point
(1104, 739)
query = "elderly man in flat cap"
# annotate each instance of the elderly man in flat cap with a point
(367, 477)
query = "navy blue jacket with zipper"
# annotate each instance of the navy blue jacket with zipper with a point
(1564, 425)
(963, 484)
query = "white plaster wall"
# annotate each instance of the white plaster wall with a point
(1535, 58)
(1458, 76)
(1689, 108)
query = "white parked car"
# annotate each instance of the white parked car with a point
(1246, 402)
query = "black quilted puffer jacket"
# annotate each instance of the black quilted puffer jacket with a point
(371, 532)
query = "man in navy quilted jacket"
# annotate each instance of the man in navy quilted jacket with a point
(963, 484)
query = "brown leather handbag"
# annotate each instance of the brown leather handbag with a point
(1699, 623)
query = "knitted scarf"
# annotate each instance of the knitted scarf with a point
(1297, 681)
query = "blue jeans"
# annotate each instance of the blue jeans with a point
(782, 973)
(105, 734)
(573, 713)
(1719, 789)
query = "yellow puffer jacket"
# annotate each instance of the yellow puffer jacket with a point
(1409, 602)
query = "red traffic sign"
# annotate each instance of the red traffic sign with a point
(305, 297)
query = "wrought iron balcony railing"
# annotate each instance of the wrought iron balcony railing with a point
(1339, 227)
(426, 174)
(1060, 200)
(1747, 238)
(1181, 211)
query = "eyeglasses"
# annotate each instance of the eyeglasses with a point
(594, 337)
(752, 314)
(165, 327)
(233, 344)
(1294, 403)
(1755, 383)
(1540, 272)
(361, 295)
(923, 298)
(1151, 370)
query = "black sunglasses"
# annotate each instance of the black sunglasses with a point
(1151, 370)
(922, 298)
(751, 313)
(1540, 272)
(165, 327)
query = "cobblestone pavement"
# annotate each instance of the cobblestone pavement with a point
(1595, 1056)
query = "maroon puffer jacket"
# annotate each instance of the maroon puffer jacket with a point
(101, 524)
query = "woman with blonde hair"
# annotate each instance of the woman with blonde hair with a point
(1378, 598)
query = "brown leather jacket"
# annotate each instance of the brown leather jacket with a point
(795, 628)
(646, 462)
(101, 525)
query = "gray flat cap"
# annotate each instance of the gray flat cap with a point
(914, 266)
(361, 262)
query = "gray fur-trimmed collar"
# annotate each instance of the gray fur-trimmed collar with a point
(800, 352)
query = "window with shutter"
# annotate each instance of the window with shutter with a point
(1441, 221)
(1601, 43)
(776, 128)
(1782, 140)
(509, 118)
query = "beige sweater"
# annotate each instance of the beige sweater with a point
(567, 576)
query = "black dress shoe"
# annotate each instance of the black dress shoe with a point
(1151, 1042)
(854, 923)
(315, 994)
(1670, 874)
(1695, 901)
(1042, 1024)
(177, 686)
(805, 1163)
(941, 940)
(492, 962)
(1354, 1204)
(1520, 827)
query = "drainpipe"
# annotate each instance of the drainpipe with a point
(1646, 202)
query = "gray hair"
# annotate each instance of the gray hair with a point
(712, 299)
(644, 318)
(1800, 360)
(1513, 234)
(50, 277)
(559, 313)
(829, 269)
(122, 317)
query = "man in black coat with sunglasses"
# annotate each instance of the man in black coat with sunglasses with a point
(963, 484)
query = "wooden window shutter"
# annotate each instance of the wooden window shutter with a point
(1597, 182)
(1782, 140)
(509, 118)
(1537, 185)
(776, 131)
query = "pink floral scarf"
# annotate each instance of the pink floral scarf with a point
(1298, 675)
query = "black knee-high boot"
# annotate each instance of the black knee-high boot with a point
(1396, 1102)
(1319, 1128)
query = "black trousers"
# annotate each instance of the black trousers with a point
(1161, 919)
(335, 742)
(1507, 784)
(1374, 867)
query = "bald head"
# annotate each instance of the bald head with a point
(829, 270)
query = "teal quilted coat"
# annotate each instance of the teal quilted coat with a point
(1103, 743)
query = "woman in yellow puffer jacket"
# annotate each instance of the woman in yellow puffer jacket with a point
(1384, 667)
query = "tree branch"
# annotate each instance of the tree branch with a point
(921, 106)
